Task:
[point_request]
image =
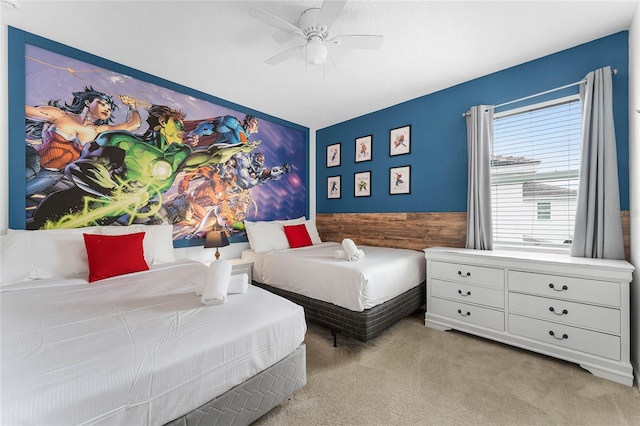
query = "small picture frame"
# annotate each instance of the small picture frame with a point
(333, 187)
(400, 180)
(362, 184)
(400, 141)
(333, 155)
(363, 148)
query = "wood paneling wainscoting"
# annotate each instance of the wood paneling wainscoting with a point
(414, 231)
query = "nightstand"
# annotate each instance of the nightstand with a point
(241, 266)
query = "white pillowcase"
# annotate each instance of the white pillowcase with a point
(266, 237)
(15, 263)
(163, 251)
(44, 254)
(269, 235)
(313, 231)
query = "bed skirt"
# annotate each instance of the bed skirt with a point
(363, 325)
(250, 400)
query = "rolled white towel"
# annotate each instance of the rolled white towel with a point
(358, 255)
(352, 252)
(341, 254)
(217, 286)
(349, 247)
(238, 284)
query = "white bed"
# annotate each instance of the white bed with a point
(315, 272)
(359, 299)
(138, 348)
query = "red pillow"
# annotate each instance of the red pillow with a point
(298, 236)
(112, 255)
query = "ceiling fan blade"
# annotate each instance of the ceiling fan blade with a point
(329, 12)
(355, 41)
(282, 56)
(273, 20)
(283, 36)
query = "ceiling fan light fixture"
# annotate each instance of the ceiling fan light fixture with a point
(314, 27)
(316, 52)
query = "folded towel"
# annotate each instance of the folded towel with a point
(217, 286)
(341, 254)
(238, 284)
(351, 250)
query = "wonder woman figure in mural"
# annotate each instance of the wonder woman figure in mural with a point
(58, 132)
(121, 176)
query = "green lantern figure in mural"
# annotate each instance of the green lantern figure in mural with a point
(120, 177)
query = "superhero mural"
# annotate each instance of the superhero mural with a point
(103, 148)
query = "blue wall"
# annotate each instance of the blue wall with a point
(438, 156)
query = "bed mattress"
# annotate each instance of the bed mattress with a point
(134, 349)
(315, 272)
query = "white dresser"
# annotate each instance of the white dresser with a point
(571, 308)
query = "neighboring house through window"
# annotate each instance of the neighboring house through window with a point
(534, 174)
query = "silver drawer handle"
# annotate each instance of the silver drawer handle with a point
(564, 336)
(564, 311)
(464, 315)
(468, 293)
(468, 274)
(552, 287)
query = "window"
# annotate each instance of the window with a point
(534, 174)
(544, 211)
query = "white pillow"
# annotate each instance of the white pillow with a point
(15, 260)
(157, 243)
(49, 253)
(266, 236)
(313, 231)
(163, 251)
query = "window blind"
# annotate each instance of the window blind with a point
(534, 174)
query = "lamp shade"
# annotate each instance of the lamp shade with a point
(216, 239)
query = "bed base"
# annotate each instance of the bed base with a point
(363, 325)
(253, 398)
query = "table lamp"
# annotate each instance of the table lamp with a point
(216, 239)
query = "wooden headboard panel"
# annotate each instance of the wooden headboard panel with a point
(414, 231)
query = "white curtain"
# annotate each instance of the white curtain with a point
(598, 226)
(479, 141)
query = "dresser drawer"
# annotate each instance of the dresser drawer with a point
(588, 341)
(468, 313)
(492, 277)
(570, 288)
(468, 293)
(586, 316)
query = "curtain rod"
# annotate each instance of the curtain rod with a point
(614, 72)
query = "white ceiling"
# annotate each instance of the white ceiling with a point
(217, 48)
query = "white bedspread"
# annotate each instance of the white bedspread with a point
(136, 349)
(313, 271)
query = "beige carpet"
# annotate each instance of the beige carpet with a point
(414, 375)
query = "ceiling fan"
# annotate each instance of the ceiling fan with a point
(314, 27)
